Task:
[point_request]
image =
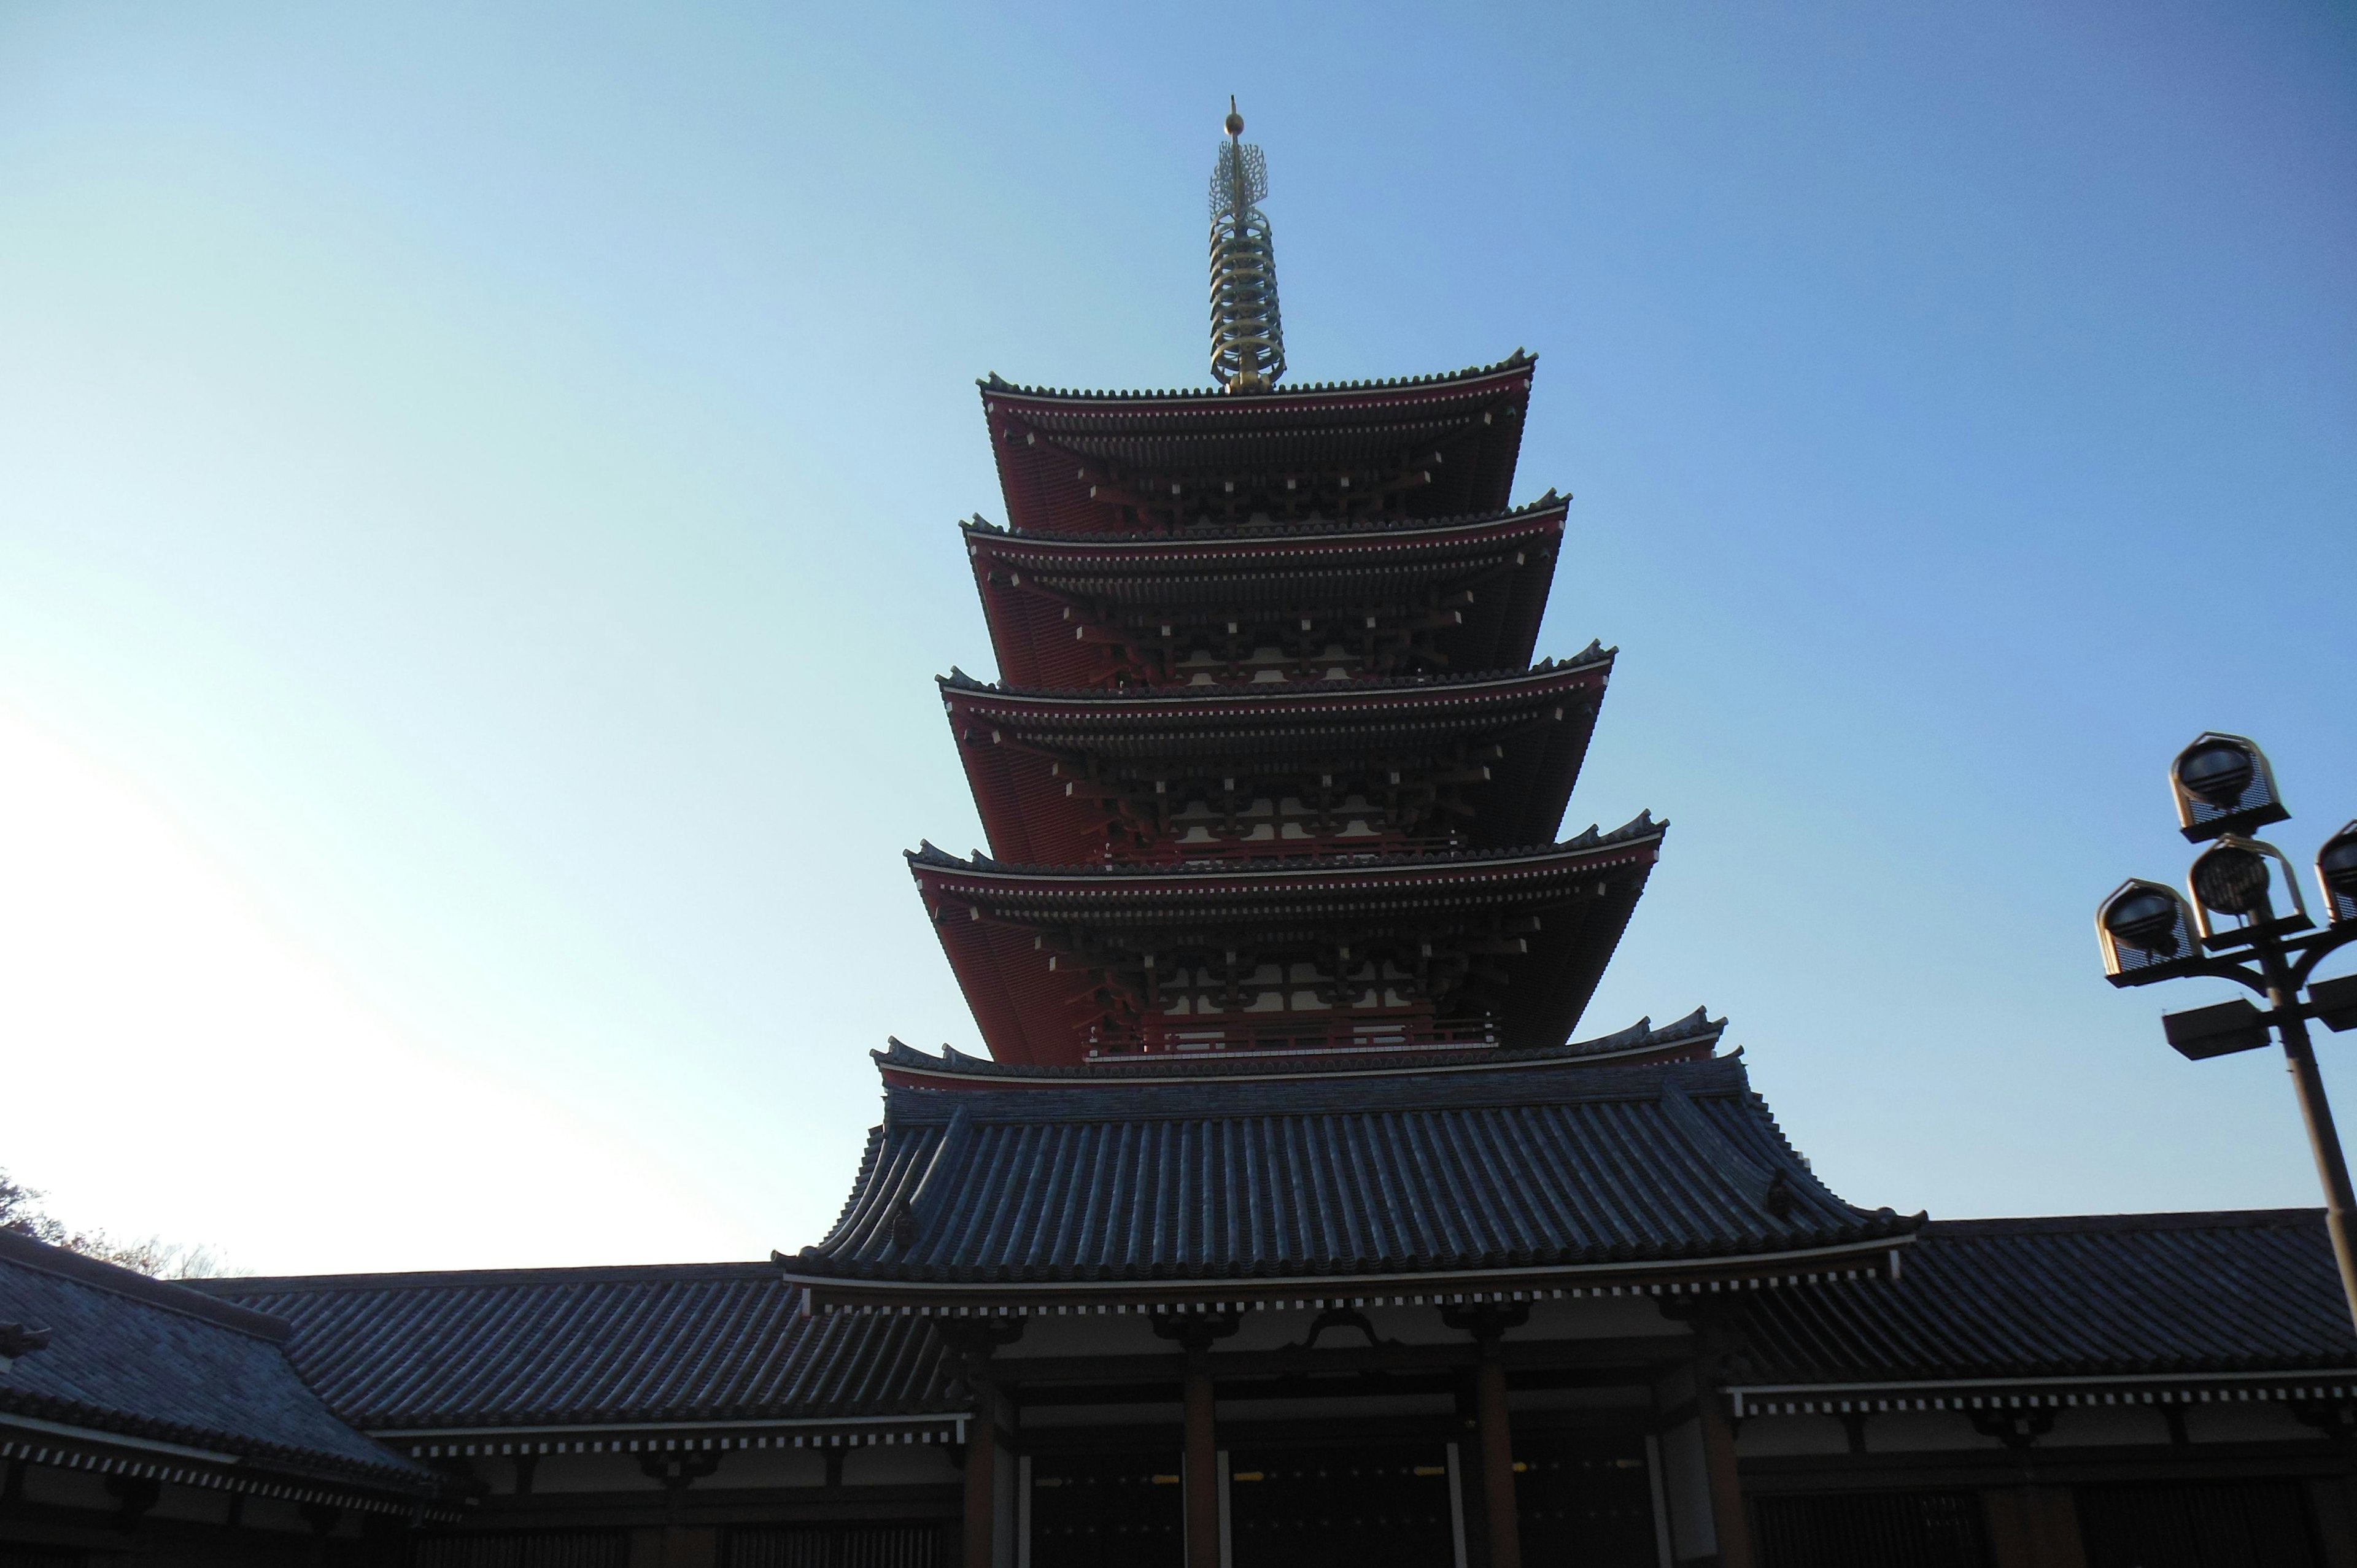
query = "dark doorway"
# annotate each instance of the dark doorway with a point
(1584, 1502)
(1340, 1507)
(1107, 1511)
(548, 1548)
(2241, 1524)
(912, 1544)
(1871, 1529)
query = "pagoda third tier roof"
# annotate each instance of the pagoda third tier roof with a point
(1046, 953)
(1488, 759)
(1075, 462)
(1459, 593)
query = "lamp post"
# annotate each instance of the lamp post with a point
(2233, 929)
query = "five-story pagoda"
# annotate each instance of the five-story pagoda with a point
(1269, 767)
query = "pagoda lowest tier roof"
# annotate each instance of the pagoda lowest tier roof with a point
(1037, 949)
(1691, 1038)
(1410, 1189)
(1436, 446)
(1074, 611)
(1046, 768)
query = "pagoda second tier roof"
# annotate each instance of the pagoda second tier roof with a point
(1530, 1183)
(1003, 925)
(1043, 764)
(1057, 448)
(1052, 602)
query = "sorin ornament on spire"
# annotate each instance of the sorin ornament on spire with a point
(1247, 337)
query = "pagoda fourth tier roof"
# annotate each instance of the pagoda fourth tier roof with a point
(1048, 954)
(1537, 1183)
(1076, 462)
(1468, 592)
(1057, 776)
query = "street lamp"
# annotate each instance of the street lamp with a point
(2246, 921)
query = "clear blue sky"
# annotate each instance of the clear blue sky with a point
(477, 489)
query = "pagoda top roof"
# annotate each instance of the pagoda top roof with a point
(1088, 463)
(1227, 1192)
(1691, 1038)
(995, 385)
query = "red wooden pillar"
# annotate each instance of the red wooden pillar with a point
(1488, 1324)
(1201, 1471)
(982, 1477)
(1196, 1333)
(1726, 1515)
(1496, 1458)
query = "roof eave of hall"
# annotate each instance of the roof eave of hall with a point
(994, 383)
(1588, 661)
(1641, 828)
(927, 1220)
(1371, 529)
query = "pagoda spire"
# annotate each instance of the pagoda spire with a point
(1247, 337)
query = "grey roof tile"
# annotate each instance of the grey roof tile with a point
(2073, 1297)
(141, 1357)
(666, 1343)
(1209, 1180)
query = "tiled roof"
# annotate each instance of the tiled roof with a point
(1184, 702)
(1518, 360)
(1394, 532)
(142, 1359)
(1693, 1035)
(1639, 829)
(670, 1344)
(2116, 1294)
(1406, 1177)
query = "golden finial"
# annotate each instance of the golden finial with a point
(1247, 337)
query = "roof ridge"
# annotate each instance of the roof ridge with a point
(2168, 1219)
(171, 1295)
(429, 1279)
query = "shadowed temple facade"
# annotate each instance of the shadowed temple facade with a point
(1295, 1218)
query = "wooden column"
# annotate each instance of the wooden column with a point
(1726, 1517)
(1196, 1333)
(1497, 1459)
(1202, 1470)
(972, 1341)
(982, 1476)
(1488, 1324)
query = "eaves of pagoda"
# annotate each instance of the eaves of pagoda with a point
(1048, 954)
(1459, 593)
(1483, 762)
(1691, 1038)
(1081, 462)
